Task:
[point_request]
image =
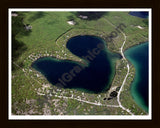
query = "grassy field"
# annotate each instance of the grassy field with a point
(31, 92)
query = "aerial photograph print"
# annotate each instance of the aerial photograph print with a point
(79, 63)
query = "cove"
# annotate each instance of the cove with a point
(138, 56)
(95, 76)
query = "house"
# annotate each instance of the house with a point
(27, 27)
(71, 22)
(83, 17)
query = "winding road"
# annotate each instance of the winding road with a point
(118, 96)
(123, 57)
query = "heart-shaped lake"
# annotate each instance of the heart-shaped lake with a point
(96, 76)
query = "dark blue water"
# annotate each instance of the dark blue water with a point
(139, 14)
(139, 57)
(95, 76)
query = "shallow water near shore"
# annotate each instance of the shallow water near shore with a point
(94, 78)
(139, 57)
